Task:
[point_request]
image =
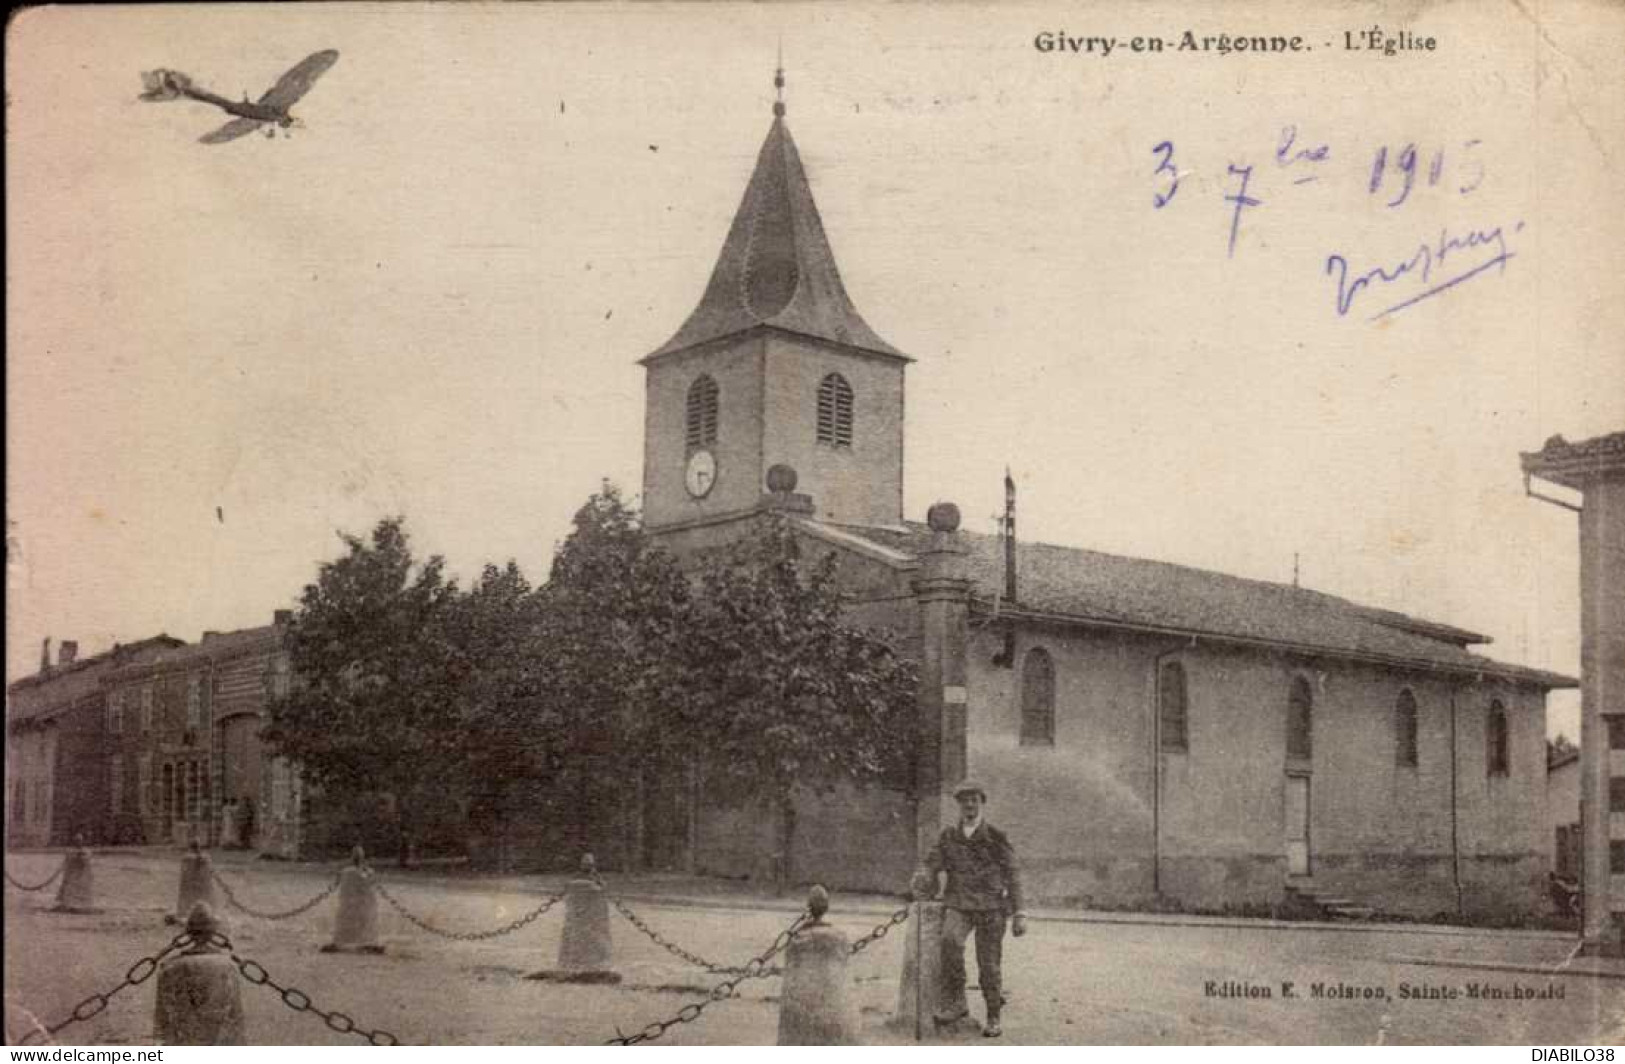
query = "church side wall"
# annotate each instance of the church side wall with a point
(1505, 851)
(1222, 811)
(1078, 812)
(1081, 811)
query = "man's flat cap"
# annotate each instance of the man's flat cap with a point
(970, 787)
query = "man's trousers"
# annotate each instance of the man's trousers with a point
(957, 925)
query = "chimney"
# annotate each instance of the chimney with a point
(282, 618)
(45, 655)
(68, 652)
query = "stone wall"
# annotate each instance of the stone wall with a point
(1083, 817)
(860, 484)
(736, 366)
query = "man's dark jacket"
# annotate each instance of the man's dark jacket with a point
(981, 869)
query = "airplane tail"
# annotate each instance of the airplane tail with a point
(159, 85)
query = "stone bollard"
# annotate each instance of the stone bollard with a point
(197, 884)
(816, 1007)
(200, 1000)
(77, 894)
(355, 929)
(919, 992)
(586, 954)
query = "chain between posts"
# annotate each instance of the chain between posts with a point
(881, 931)
(755, 968)
(671, 947)
(297, 910)
(253, 972)
(93, 1006)
(656, 937)
(24, 886)
(460, 936)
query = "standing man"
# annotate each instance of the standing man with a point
(982, 887)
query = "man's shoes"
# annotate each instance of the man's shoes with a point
(992, 1028)
(948, 1019)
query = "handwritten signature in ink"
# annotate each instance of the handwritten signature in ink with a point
(1430, 258)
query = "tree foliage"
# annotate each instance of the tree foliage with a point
(621, 668)
(373, 706)
(608, 623)
(784, 696)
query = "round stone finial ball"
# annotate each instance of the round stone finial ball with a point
(358, 856)
(818, 901)
(781, 479)
(943, 517)
(589, 864)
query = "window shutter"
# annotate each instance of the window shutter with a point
(835, 411)
(701, 423)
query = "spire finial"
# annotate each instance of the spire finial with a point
(778, 82)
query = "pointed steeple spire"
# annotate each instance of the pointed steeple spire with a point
(776, 267)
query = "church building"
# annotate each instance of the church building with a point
(1148, 732)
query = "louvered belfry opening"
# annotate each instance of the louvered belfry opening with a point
(835, 411)
(702, 412)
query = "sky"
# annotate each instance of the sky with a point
(429, 299)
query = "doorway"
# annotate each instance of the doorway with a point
(1297, 825)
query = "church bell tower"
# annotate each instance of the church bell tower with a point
(774, 366)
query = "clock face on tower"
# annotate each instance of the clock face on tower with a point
(701, 474)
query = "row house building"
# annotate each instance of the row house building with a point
(56, 783)
(157, 742)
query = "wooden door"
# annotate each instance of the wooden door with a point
(1297, 825)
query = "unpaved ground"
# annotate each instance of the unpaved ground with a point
(1072, 982)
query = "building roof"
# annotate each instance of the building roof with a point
(776, 268)
(1066, 584)
(214, 646)
(1573, 465)
(44, 695)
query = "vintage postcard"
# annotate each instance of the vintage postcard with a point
(716, 524)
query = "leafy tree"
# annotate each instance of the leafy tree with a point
(374, 706)
(609, 636)
(500, 673)
(784, 698)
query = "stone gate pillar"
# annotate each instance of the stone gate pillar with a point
(942, 589)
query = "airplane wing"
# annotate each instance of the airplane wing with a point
(237, 127)
(296, 82)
